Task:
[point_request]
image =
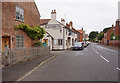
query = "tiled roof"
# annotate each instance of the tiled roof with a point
(74, 30)
(44, 21)
(81, 31)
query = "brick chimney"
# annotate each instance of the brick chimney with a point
(117, 22)
(71, 23)
(53, 15)
(112, 25)
(67, 25)
(63, 21)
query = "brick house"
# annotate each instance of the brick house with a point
(115, 30)
(81, 35)
(13, 14)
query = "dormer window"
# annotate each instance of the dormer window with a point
(19, 14)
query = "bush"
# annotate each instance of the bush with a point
(33, 32)
(38, 44)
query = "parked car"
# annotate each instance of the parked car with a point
(78, 46)
(88, 43)
(84, 43)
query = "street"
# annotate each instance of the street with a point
(94, 63)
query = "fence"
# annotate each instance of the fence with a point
(114, 43)
(11, 56)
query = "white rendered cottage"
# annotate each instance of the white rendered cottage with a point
(64, 36)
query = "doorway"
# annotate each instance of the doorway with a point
(5, 42)
(45, 41)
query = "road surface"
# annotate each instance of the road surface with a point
(94, 63)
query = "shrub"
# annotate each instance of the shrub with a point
(33, 32)
(38, 44)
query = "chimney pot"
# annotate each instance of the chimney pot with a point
(54, 11)
(71, 23)
(63, 21)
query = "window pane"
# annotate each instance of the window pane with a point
(19, 14)
(19, 41)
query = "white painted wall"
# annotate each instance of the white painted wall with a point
(49, 40)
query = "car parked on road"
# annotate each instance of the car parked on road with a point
(78, 46)
(85, 43)
(88, 43)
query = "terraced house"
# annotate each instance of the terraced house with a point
(16, 13)
(64, 35)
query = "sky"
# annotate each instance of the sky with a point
(92, 15)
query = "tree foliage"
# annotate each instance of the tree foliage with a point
(106, 29)
(93, 35)
(100, 35)
(33, 32)
(116, 37)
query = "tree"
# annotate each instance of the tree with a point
(100, 35)
(106, 29)
(93, 35)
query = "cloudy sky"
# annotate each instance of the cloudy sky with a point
(92, 15)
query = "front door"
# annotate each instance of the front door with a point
(5, 43)
(45, 41)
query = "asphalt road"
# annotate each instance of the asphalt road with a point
(94, 63)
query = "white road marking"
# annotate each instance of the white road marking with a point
(100, 55)
(35, 68)
(104, 58)
(118, 69)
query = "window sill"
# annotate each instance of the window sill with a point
(19, 20)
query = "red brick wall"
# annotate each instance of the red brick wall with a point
(116, 31)
(31, 17)
(81, 37)
(115, 43)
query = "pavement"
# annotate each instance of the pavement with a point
(94, 63)
(14, 72)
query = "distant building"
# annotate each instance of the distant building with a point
(82, 35)
(115, 31)
(86, 37)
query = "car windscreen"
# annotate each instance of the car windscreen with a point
(77, 44)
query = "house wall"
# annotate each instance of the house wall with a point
(31, 17)
(50, 40)
(107, 36)
(56, 34)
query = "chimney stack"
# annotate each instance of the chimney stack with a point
(53, 15)
(112, 25)
(117, 22)
(63, 21)
(71, 23)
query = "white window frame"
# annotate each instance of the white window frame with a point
(19, 14)
(60, 41)
(19, 41)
